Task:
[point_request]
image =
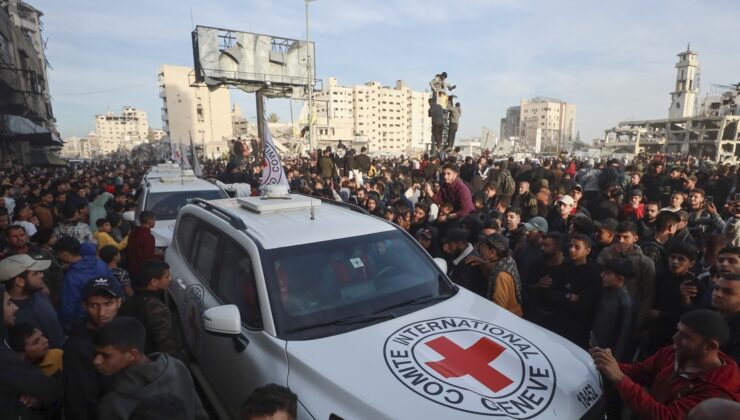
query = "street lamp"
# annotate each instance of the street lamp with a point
(310, 82)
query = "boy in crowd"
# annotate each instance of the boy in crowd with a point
(669, 306)
(119, 351)
(104, 238)
(29, 342)
(614, 317)
(22, 385)
(111, 256)
(148, 307)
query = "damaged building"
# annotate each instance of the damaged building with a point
(705, 129)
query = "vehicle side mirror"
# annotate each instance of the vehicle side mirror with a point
(223, 320)
(129, 216)
(441, 263)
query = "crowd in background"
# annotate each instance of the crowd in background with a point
(637, 262)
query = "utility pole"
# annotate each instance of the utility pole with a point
(309, 88)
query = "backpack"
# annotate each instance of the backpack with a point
(506, 184)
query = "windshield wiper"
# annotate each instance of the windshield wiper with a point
(416, 301)
(354, 319)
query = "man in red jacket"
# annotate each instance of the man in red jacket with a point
(141, 243)
(453, 191)
(680, 376)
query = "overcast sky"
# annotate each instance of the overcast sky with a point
(614, 60)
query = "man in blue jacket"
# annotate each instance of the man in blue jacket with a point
(83, 265)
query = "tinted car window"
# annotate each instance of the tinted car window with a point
(205, 253)
(236, 284)
(316, 283)
(185, 232)
(166, 205)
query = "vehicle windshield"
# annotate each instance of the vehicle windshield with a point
(166, 205)
(316, 288)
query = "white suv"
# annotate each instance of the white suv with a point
(356, 318)
(164, 190)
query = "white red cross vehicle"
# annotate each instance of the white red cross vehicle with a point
(351, 314)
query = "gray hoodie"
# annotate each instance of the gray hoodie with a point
(162, 375)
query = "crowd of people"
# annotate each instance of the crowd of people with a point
(637, 262)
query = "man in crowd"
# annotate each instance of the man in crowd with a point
(24, 281)
(668, 384)
(101, 301)
(457, 248)
(453, 191)
(81, 267)
(141, 243)
(119, 353)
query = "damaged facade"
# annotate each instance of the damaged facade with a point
(27, 131)
(706, 131)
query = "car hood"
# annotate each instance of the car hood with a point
(163, 231)
(464, 357)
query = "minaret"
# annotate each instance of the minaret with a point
(683, 99)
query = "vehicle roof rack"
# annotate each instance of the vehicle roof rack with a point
(235, 221)
(348, 206)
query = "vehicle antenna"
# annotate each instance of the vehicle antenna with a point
(312, 213)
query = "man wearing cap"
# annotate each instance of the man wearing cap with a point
(577, 193)
(504, 286)
(453, 191)
(457, 248)
(634, 209)
(559, 217)
(21, 383)
(81, 268)
(24, 281)
(18, 243)
(101, 299)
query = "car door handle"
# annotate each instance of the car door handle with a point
(181, 283)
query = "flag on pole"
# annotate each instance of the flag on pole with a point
(197, 169)
(272, 166)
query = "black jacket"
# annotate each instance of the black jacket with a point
(80, 375)
(18, 377)
(613, 322)
(148, 307)
(732, 348)
(468, 276)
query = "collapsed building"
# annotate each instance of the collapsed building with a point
(706, 129)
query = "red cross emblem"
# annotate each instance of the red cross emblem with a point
(473, 361)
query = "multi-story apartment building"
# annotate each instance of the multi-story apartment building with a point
(546, 125)
(190, 109)
(510, 123)
(121, 132)
(27, 123)
(386, 119)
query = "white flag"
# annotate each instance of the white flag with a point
(272, 167)
(184, 162)
(197, 169)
